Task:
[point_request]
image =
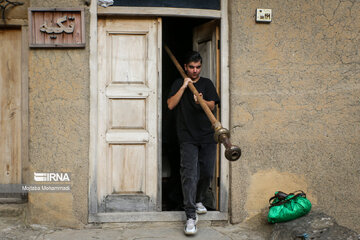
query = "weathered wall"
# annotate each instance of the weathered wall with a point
(59, 126)
(295, 105)
(15, 12)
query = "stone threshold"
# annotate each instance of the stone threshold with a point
(174, 216)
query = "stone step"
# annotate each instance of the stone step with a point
(12, 209)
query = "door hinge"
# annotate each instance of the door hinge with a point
(218, 181)
(218, 44)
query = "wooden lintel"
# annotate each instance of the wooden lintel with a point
(162, 11)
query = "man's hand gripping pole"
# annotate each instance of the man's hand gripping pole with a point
(222, 135)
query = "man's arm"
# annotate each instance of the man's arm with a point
(210, 104)
(173, 101)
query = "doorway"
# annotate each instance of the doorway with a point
(120, 93)
(182, 35)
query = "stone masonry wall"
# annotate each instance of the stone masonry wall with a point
(295, 105)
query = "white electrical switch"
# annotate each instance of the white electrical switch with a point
(263, 15)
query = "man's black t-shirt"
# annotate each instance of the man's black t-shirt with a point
(192, 124)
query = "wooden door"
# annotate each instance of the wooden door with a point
(10, 106)
(206, 39)
(127, 160)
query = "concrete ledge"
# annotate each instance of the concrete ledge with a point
(14, 22)
(152, 216)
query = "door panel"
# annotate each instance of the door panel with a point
(205, 48)
(128, 168)
(133, 107)
(10, 106)
(205, 41)
(127, 116)
(133, 56)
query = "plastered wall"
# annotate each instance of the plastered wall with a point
(295, 105)
(59, 127)
(295, 110)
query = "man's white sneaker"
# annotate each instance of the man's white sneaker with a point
(190, 226)
(200, 208)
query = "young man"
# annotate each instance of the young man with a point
(196, 137)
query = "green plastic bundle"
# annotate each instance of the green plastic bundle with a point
(285, 207)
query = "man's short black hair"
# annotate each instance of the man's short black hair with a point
(192, 56)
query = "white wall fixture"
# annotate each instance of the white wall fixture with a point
(105, 3)
(263, 15)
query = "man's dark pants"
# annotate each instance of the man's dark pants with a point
(197, 171)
